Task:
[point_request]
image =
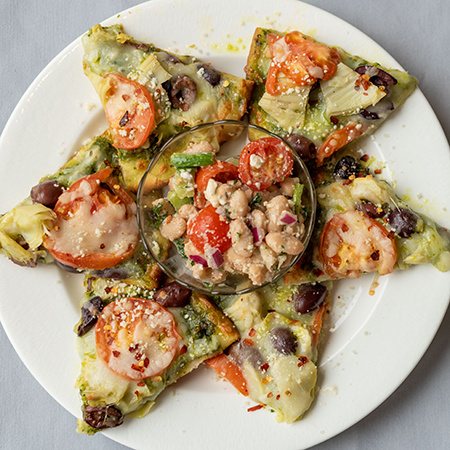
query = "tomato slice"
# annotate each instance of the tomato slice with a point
(225, 367)
(221, 171)
(339, 138)
(301, 59)
(209, 228)
(263, 162)
(352, 243)
(129, 111)
(136, 338)
(95, 226)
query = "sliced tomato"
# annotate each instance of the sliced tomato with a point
(224, 366)
(264, 162)
(129, 111)
(95, 226)
(301, 59)
(221, 171)
(137, 338)
(352, 243)
(209, 228)
(339, 138)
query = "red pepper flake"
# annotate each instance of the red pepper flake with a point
(111, 340)
(255, 408)
(183, 350)
(269, 395)
(302, 361)
(317, 273)
(146, 362)
(278, 397)
(116, 353)
(377, 171)
(252, 332)
(108, 289)
(137, 367)
(334, 120)
(133, 348)
(136, 393)
(248, 342)
(264, 367)
(346, 182)
(141, 384)
(364, 158)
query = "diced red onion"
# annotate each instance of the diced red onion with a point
(199, 260)
(288, 218)
(258, 234)
(214, 257)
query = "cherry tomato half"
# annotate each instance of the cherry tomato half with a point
(136, 338)
(129, 111)
(301, 59)
(263, 162)
(221, 171)
(209, 228)
(339, 138)
(352, 243)
(95, 226)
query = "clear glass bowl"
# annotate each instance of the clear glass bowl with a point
(231, 136)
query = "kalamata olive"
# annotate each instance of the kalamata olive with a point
(209, 74)
(114, 273)
(302, 145)
(101, 417)
(403, 221)
(172, 59)
(377, 76)
(283, 340)
(90, 312)
(371, 210)
(309, 297)
(241, 352)
(346, 167)
(378, 111)
(67, 268)
(182, 92)
(47, 193)
(173, 294)
(139, 46)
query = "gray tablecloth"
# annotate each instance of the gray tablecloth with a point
(415, 33)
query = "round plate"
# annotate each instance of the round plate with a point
(374, 341)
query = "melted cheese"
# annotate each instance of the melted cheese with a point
(110, 229)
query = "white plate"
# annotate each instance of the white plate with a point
(376, 341)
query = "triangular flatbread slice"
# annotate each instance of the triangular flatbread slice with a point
(134, 342)
(185, 91)
(319, 98)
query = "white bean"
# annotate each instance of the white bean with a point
(287, 186)
(275, 208)
(187, 211)
(200, 147)
(257, 273)
(241, 238)
(259, 219)
(238, 204)
(283, 243)
(173, 227)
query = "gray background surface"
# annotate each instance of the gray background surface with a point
(416, 34)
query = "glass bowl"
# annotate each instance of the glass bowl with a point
(230, 137)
